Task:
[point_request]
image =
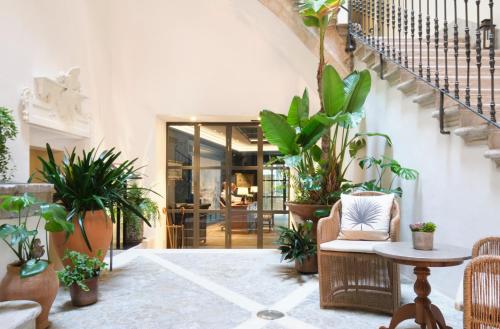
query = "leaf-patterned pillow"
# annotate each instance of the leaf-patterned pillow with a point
(365, 217)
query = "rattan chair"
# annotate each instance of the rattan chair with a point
(355, 279)
(482, 286)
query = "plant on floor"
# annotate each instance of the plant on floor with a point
(23, 241)
(82, 269)
(138, 197)
(296, 243)
(321, 176)
(382, 165)
(81, 277)
(8, 131)
(427, 227)
(91, 183)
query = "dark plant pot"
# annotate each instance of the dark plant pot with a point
(308, 266)
(303, 212)
(83, 298)
(133, 230)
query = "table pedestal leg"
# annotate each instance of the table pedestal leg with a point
(425, 314)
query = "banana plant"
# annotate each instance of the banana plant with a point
(321, 177)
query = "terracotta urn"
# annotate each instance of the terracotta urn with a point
(303, 212)
(308, 266)
(80, 297)
(41, 288)
(99, 230)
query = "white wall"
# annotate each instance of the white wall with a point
(45, 38)
(458, 188)
(216, 60)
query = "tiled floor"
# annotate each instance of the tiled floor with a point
(214, 289)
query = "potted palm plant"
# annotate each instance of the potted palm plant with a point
(81, 277)
(297, 244)
(133, 224)
(31, 277)
(90, 186)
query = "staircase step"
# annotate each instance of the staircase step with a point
(473, 133)
(451, 116)
(426, 99)
(393, 75)
(494, 155)
(369, 58)
(407, 87)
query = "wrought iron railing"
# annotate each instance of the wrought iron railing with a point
(415, 34)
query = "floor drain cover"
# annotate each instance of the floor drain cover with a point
(270, 314)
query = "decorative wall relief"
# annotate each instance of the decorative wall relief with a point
(56, 105)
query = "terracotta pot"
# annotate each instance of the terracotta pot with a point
(41, 288)
(308, 266)
(423, 240)
(99, 229)
(83, 298)
(306, 211)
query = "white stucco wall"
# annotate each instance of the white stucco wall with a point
(458, 188)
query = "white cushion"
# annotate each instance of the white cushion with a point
(365, 217)
(351, 246)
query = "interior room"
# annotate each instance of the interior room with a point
(248, 164)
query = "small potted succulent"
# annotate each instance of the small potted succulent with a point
(297, 244)
(81, 277)
(423, 235)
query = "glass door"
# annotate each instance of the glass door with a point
(220, 193)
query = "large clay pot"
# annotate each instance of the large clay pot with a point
(99, 229)
(303, 212)
(80, 297)
(41, 288)
(308, 266)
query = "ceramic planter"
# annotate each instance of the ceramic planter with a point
(308, 266)
(99, 229)
(41, 288)
(306, 211)
(80, 297)
(423, 240)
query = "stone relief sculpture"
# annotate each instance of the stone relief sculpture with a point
(56, 104)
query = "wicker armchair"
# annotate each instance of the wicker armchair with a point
(482, 286)
(357, 278)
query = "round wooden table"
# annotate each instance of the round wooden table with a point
(426, 314)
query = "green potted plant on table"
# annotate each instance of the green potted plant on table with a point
(81, 277)
(297, 244)
(31, 277)
(90, 186)
(8, 131)
(134, 228)
(423, 235)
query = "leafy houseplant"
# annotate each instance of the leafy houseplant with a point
(137, 197)
(423, 235)
(8, 131)
(297, 244)
(81, 277)
(31, 277)
(382, 165)
(88, 186)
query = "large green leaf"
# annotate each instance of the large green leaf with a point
(312, 132)
(33, 267)
(369, 134)
(357, 86)
(293, 112)
(333, 91)
(17, 203)
(278, 132)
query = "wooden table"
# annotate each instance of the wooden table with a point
(426, 314)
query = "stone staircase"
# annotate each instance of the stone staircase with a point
(457, 118)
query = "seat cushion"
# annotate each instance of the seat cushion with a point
(351, 246)
(365, 217)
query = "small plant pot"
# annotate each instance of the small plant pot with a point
(84, 298)
(423, 240)
(308, 266)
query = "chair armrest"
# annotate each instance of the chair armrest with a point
(329, 227)
(395, 223)
(486, 246)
